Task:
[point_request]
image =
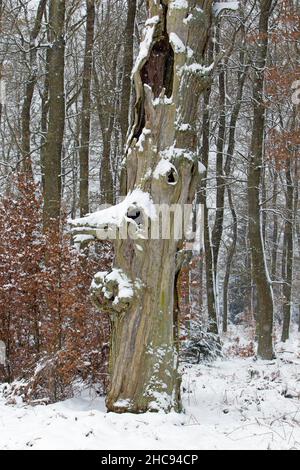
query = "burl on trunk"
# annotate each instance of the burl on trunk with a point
(160, 168)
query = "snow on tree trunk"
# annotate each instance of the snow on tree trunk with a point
(161, 167)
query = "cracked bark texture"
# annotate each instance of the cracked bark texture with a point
(169, 80)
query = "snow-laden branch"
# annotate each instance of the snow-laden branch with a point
(99, 224)
(113, 291)
(218, 7)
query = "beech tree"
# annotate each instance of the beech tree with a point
(86, 108)
(127, 66)
(56, 120)
(256, 159)
(30, 85)
(162, 167)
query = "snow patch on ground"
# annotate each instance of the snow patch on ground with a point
(230, 404)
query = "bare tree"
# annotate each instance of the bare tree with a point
(56, 121)
(127, 67)
(86, 109)
(259, 264)
(29, 89)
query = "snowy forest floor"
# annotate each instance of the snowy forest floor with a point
(233, 403)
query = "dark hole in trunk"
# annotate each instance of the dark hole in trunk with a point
(158, 70)
(136, 215)
(171, 177)
(142, 120)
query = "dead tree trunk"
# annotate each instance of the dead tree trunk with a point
(259, 265)
(162, 168)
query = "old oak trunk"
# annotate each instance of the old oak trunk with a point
(160, 168)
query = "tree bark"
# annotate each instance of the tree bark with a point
(106, 120)
(217, 231)
(29, 90)
(227, 171)
(259, 266)
(209, 267)
(86, 109)
(1, 64)
(169, 80)
(275, 229)
(289, 254)
(56, 122)
(127, 67)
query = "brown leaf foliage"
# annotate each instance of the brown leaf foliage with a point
(54, 336)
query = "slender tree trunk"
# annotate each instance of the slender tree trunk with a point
(217, 231)
(144, 344)
(106, 179)
(106, 122)
(296, 227)
(44, 118)
(210, 280)
(209, 266)
(29, 90)
(86, 109)
(127, 67)
(56, 123)
(227, 171)
(229, 260)
(275, 229)
(259, 265)
(1, 64)
(289, 254)
(263, 205)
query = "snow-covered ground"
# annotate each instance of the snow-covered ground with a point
(232, 404)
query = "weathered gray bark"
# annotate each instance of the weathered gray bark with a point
(86, 109)
(56, 121)
(169, 80)
(259, 266)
